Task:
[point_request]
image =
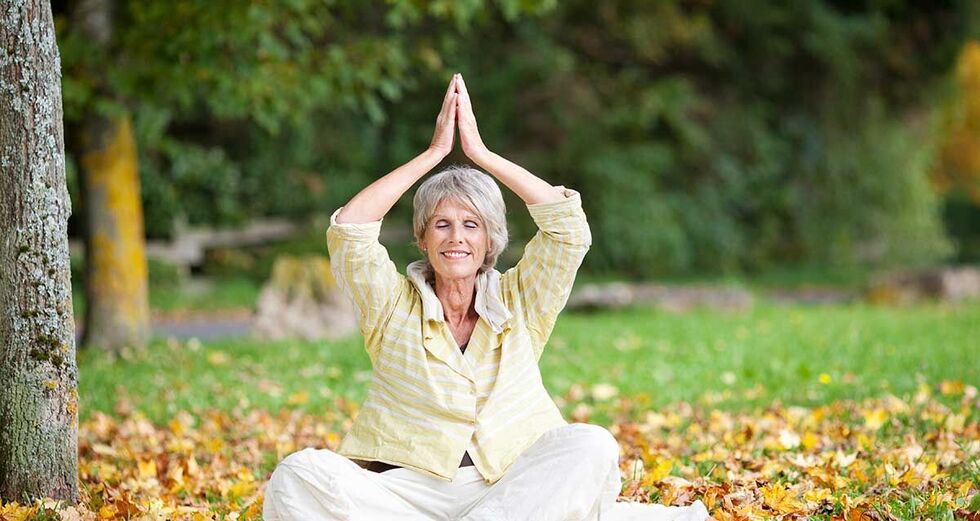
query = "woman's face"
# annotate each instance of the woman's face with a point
(455, 240)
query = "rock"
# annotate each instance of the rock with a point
(808, 294)
(675, 298)
(301, 300)
(949, 284)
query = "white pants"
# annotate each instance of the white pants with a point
(570, 473)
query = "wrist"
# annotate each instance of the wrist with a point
(435, 154)
(482, 157)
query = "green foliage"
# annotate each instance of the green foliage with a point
(890, 217)
(719, 137)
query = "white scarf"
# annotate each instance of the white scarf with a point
(488, 305)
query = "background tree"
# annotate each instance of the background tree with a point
(116, 293)
(743, 138)
(38, 397)
(957, 172)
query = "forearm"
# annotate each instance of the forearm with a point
(529, 187)
(373, 202)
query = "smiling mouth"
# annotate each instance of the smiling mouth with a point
(454, 255)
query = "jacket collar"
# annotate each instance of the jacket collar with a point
(488, 304)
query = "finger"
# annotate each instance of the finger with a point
(452, 109)
(465, 101)
(452, 86)
(450, 90)
(447, 102)
(448, 113)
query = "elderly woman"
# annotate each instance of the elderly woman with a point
(457, 423)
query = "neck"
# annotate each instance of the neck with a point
(458, 297)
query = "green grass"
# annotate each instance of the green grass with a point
(865, 351)
(728, 360)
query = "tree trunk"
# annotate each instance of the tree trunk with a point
(38, 396)
(116, 294)
(117, 309)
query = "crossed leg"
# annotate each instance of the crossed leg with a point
(318, 484)
(570, 473)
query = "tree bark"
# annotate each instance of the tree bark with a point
(116, 289)
(38, 396)
(116, 294)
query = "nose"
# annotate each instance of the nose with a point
(456, 235)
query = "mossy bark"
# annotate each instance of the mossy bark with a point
(117, 308)
(38, 376)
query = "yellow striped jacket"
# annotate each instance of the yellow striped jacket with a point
(428, 402)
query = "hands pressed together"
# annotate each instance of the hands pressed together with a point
(457, 110)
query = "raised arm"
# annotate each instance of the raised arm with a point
(359, 262)
(537, 288)
(373, 202)
(529, 187)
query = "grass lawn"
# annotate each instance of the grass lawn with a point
(831, 412)
(728, 360)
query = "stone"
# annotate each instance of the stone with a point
(301, 300)
(945, 283)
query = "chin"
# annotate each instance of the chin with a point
(456, 272)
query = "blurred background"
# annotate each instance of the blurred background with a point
(815, 142)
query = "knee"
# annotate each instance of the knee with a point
(306, 481)
(319, 458)
(596, 442)
(299, 459)
(305, 465)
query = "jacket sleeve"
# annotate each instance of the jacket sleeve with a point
(365, 274)
(539, 285)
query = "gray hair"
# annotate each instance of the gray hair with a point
(473, 189)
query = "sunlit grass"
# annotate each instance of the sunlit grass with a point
(727, 360)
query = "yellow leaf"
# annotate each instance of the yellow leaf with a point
(16, 512)
(147, 469)
(660, 471)
(781, 499)
(298, 398)
(955, 423)
(810, 441)
(816, 495)
(215, 444)
(106, 471)
(217, 358)
(875, 419)
(176, 426)
(242, 488)
(192, 467)
(107, 511)
(950, 387)
(176, 477)
(964, 489)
